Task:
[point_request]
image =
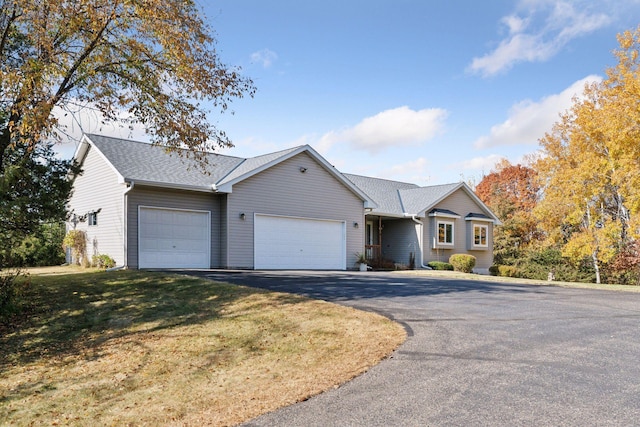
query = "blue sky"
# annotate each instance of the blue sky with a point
(429, 92)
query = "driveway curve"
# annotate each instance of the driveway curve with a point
(479, 353)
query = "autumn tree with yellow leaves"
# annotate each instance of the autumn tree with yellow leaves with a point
(154, 60)
(590, 168)
(150, 62)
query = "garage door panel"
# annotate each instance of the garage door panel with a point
(174, 238)
(299, 243)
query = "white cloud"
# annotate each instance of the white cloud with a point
(515, 23)
(528, 120)
(559, 22)
(266, 57)
(483, 164)
(414, 171)
(400, 126)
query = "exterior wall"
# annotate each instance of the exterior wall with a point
(399, 238)
(176, 199)
(97, 188)
(460, 203)
(224, 231)
(284, 190)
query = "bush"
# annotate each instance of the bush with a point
(42, 247)
(494, 270)
(77, 241)
(439, 265)
(537, 263)
(463, 262)
(102, 261)
(507, 271)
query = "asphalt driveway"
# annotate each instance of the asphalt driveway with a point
(478, 353)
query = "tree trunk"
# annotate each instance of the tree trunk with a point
(596, 267)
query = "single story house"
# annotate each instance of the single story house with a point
(290, 209)
(426, 223)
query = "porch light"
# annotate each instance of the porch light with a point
(356, 225)
(242, 216)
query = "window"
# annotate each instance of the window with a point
(92, 218)
(480, 235)
(445, 233)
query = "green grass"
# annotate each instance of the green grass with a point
(155, 349)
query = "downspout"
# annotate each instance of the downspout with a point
(420, 236)
(125, 214)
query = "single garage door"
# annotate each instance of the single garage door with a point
(173, 238)
(299, 243)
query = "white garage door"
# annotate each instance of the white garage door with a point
(172, 238)
(299, 243)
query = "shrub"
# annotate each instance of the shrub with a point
(103, 261)
(463, 262)
(440, 265)
(494, 270)
(537, 263)
(507, 271)
(77, 241)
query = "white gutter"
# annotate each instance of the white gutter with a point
(125, 207)
(420, 236)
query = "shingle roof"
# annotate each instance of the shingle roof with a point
(139, 161)
(417, 200)
(149, 164)
(253, 163)
(383, 191)
(143, 162)
(473, 215)
(401, 198)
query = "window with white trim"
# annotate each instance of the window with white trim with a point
(445, 232)
(92, 218)
(480, 235)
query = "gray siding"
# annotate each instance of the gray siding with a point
(161, 198)
(97, 188)
(399, 238)
(224, 231)
(460, 203)
(284, 190)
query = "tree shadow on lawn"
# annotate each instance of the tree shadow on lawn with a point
(76, 314)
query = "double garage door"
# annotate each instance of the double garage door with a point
(173, 238)
(299, 243)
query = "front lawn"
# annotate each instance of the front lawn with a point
(141, 348)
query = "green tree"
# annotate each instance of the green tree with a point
(34, 188)
(590, 165)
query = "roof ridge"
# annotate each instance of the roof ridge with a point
(231, 171)
(151, 144)
(277, 152)
(376, 178)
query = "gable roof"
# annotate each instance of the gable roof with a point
(403, 199)
(416, 201)
(383, 191)
(153, 165)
